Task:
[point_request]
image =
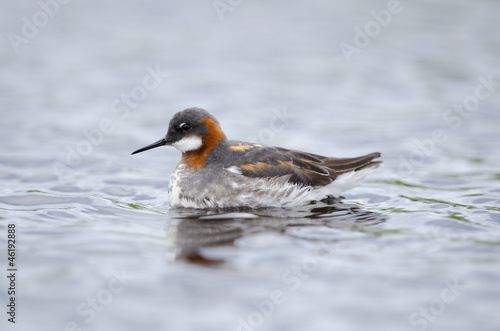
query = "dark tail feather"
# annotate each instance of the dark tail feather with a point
(342, 165)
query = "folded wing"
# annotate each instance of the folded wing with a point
(302, 168)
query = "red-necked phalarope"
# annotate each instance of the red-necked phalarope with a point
(215, 172)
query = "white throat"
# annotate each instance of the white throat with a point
(189, 143)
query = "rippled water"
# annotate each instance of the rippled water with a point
(416, 247)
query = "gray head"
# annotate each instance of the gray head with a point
(189, 130)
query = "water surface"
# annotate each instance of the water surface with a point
(416, 247)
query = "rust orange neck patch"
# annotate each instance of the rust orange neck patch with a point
(198, 158)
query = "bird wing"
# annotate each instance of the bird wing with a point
(254, 160)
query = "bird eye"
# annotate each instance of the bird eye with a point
(185, 127)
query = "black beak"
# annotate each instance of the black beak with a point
(161, 142)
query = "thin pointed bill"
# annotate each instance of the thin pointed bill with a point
(161, 142)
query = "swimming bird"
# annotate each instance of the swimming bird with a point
(215, 172)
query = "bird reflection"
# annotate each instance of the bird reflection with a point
(190, 230)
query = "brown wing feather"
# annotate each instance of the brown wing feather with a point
(303, 168)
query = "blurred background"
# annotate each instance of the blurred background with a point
(85, 83)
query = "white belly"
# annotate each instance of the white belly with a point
(200, 189)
